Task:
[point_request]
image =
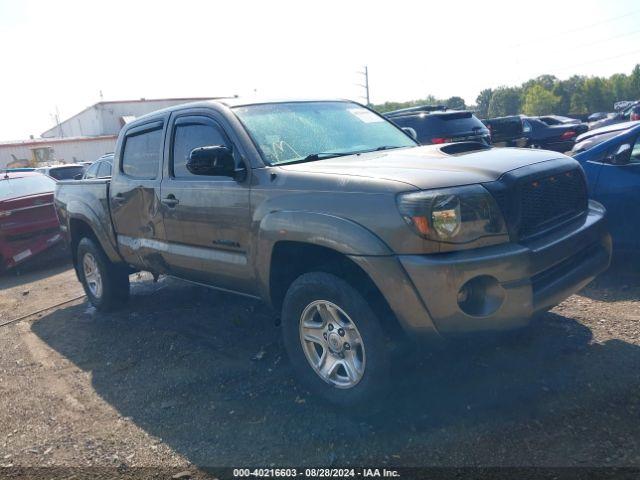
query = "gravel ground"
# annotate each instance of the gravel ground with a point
(185, 377)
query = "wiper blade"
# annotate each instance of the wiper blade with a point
(324, 155)
(317, 156)
(387, 147)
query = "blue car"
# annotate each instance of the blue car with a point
(613, 174)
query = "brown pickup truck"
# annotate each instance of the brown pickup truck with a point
(337, 219)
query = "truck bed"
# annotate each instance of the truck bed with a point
(86, 201)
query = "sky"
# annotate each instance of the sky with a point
(60, 56)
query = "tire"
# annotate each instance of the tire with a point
(113, 279)
(319, 299)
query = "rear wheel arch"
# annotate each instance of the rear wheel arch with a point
(81, 227)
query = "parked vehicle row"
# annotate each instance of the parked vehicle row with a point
(355, 235)
(549, 132)
(629, 112)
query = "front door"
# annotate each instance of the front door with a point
(618, 189)
(206, 218)
(133, 195)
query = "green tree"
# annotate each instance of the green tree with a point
(482, 102)
(596, 96)
(539, 101)
(505, 101)
(634, 84)
(455, 103)
(618, 84)
(389, 106)
(578, 105)
(546, 81)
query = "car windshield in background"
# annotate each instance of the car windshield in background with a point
(24, 186)
(289, 132)
(65, 173)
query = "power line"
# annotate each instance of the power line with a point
(602, 22)
(623, 35)
(605, 59)
(577, 29)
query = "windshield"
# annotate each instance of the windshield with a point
(23, 186)
(288, 132)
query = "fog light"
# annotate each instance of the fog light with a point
(481, 296)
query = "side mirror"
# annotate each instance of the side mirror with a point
(78, 176)
(622, 156)
(213, 160)
(411, 132)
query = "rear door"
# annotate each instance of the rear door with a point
(133, 195)
(618, 189)
(206, 218)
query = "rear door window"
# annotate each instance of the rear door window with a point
(141, 155)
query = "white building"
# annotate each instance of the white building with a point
(83, 137)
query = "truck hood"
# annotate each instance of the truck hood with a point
(428, 167)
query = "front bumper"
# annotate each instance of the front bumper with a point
(530, 277)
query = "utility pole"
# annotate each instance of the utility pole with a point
(366, 83)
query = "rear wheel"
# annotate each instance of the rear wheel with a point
(105, 283)
(334, 340)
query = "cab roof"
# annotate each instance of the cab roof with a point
(232, 102)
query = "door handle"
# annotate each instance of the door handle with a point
(170, 201)
(119, 198)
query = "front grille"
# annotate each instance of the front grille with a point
(533, 205)
(550, 201)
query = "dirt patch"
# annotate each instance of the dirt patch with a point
(183, 376)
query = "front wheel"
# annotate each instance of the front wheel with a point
(334, 340)
(105, 283)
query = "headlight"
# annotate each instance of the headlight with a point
(455, 215)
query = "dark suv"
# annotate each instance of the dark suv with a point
(440, 125)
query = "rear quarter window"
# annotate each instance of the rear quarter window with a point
(141, 154)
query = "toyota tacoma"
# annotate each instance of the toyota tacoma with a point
(354, 234)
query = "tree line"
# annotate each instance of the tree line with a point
(577, 96)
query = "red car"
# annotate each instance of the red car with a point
(28, 221)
